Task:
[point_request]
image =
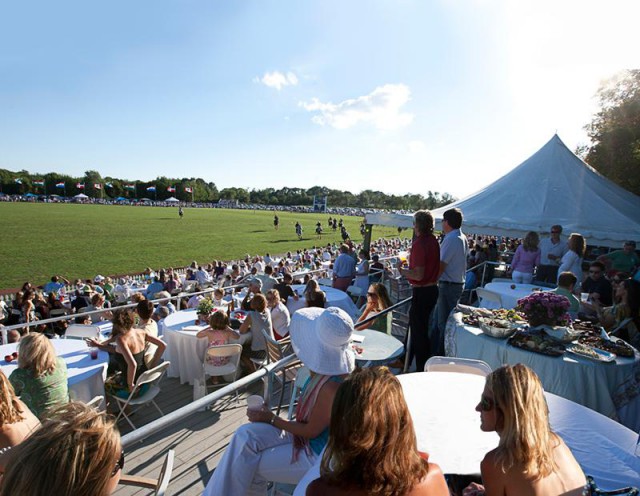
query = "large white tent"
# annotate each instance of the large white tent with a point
(553, 186)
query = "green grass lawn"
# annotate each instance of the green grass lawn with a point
(39, 240)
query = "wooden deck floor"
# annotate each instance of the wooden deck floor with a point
(199, 441)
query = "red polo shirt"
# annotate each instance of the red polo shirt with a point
(425, 252)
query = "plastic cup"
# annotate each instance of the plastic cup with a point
(93, 353)
(255, 402)
(584, 297)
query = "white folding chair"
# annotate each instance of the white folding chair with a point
(160, 485)
(228, 371)
(276, 351)
(300, 381)
(79, 331)
(152, 378)
(484, 295)
(455, 364)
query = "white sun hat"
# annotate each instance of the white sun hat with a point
(320, 338)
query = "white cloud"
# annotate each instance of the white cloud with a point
(381, 108)
(416, 146)
(278, 80)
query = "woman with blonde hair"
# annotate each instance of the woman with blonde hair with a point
(77, 452)
(526, 259)
(372, 448)
(530, 460)
(41, 377)
(16, 420)
(572, 260)
(258, 319)
(377, 301)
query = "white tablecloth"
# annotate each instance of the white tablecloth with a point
(85, 377)
(509, 295)
(335, 298)
(447, 426)
(184, 350)
(598, 386)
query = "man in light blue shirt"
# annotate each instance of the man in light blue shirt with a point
(55, 285)
(453, 267)
(344, 269)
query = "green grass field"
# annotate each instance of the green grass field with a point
(39, 240)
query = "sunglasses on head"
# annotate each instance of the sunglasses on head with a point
(486, 404)
(119, 464)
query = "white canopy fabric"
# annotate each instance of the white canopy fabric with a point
(172, 200)
(81, 196)
(553, 186)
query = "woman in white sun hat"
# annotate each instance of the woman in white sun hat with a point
(271, 448)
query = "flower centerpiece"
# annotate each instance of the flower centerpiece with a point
(204, 310)
(545, 308)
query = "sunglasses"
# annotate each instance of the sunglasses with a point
(371, 294)
(555, 232)
(486, 404)
(119, 464)
(595, 272)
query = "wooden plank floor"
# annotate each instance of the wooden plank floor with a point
(199, 441)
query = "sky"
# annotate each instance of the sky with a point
(399, 96)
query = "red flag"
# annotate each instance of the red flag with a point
(97, 185)
(171, 189)
(189, 190)
(80, 185)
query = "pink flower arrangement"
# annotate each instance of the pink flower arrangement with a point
(545, 307)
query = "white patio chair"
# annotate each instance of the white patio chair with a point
(455, 364)
(228, 371)
(152, 378)
(95, 402)
(79, 331)
(160, 485)
(485, 295)
(356, 293)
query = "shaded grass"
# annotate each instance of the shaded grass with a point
(39, 240)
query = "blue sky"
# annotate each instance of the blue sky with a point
(402, 96)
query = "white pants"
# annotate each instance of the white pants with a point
(521, 277)
(257, 453)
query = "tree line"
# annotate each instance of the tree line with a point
(94, 185)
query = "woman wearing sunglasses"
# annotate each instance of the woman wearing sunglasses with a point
(77, 452)
(377, 301)
(530, 460)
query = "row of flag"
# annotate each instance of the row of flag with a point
(129, 187)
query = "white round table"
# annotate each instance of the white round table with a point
(85, 377)
(377, 348)
(184, 350)
(442, 405)
(335, 298)
(508, 294)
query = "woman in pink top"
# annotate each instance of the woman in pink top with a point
(526, 258)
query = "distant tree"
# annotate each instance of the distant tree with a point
(615, 131)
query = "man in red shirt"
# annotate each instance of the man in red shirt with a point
(424, 267)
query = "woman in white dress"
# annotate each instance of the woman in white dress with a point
(362, 276)
(572, 260)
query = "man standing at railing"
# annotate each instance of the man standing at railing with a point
(423, 276)
(453, 264)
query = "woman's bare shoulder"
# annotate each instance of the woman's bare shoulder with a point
(434, 484)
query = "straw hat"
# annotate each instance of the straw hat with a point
(320, 338)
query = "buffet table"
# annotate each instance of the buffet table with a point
(608, 388)
(442, 406)
(85, 376)
(185, 351)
